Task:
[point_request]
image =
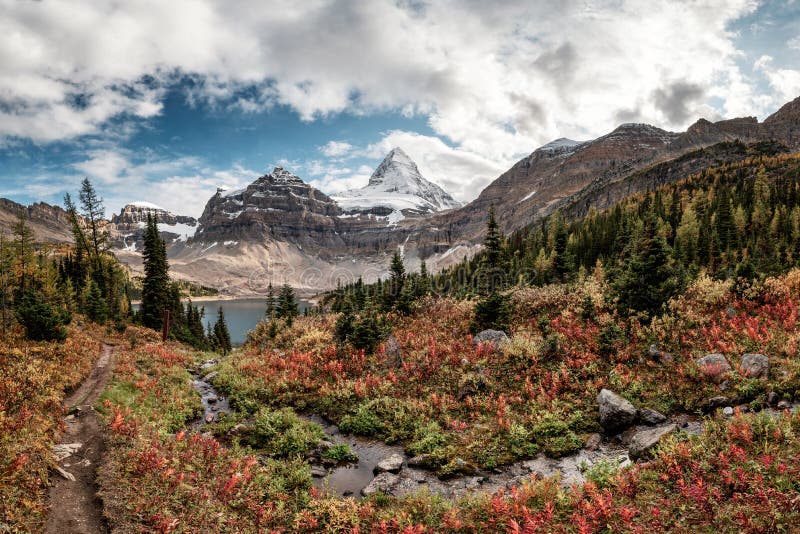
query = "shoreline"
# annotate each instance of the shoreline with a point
(208, 298)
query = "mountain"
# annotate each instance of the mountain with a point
(281, 229)
(127, 229)
(396, 187)
(49, 224)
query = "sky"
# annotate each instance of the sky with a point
(166, 101)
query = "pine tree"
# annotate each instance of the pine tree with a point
(95, 305)
(222, 337)
(155, 287)
(271, 304)
(493, 309)
(93, 212)
(648, 277)
(23, 253)
(287, 304)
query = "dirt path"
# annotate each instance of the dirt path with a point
(75, 507)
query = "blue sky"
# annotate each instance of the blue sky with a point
(165, 101)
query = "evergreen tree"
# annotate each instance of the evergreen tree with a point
(92, 211)
(155, 286)
(271, 304)
(648, 277)
(95, 305)
(222, 338)
(41, 320)
(287, 305)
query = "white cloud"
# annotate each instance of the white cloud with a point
(495, 80)
(794, 43)
(335, 149)
(182, 184)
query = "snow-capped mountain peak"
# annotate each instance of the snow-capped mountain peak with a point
(397, 185)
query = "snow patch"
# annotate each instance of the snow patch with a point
(526, 197)
(184, 231)
(145, 205)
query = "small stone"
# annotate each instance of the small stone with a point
(773, 398)
(392, 464)
(212, 400)
(716, 402)
(616, 413)
(645, 441)
(655, 354)
(65, 450)
(651, 417)
(730, 311)
(318, 471)
(755, 366)
(421, 460)
(727, 411)
(211, 376)
(593, 442)
(209, 418)
(784, 405)
(495, 337)
(714, 366)
(66, 474)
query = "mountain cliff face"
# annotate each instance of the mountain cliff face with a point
(397, 187)
(280, 229)
(49, 224)
(128, 227)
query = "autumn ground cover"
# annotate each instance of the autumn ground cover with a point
(449, 399)
(34, 377)
(740, 475)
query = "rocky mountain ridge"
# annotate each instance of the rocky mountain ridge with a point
(280, 228)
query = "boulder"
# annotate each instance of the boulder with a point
(645, 440)
(382, 483)
(651, 417)
(755, 366)
(773, 398)
(495, 337)
(714, 366)
(391, 464)
(727, 411)
(616, 413)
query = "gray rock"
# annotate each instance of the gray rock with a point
(784, 405)
(651, 417)
(714, 366)
(755, 366)
(324, 445)
(716, 402)
(394, 355)
(495, 337)
(593, 442)
(383, 483)
(616, 413)
(657, 355)
(318, 471)
(210, 376)
(773, 398)
(392, 464)
(421, 460)
(65, 474)
(727, 411)
(730, 311)
(644, 441)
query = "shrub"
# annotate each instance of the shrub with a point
(281, 433)
(340, 452)
(42, 321)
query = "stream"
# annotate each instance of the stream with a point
(359, 478)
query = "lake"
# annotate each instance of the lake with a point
(242, 315)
